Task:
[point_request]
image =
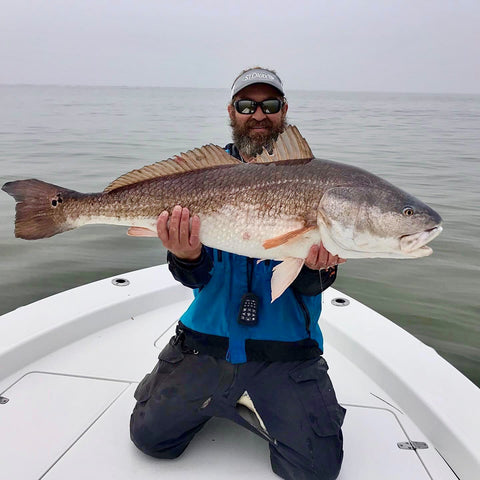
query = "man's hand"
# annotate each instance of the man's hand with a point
(178, 236)
(319, 258)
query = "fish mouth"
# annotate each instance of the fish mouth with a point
(415, 244)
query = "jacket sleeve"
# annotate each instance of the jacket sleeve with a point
(312, 282)
(194, 274)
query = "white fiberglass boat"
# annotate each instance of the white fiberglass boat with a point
(69, 365)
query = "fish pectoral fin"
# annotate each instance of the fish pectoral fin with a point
(141, 232)
(287, 237)
(284, 274)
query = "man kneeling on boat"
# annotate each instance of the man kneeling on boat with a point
(236, 354)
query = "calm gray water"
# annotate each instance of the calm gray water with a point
(84, 137)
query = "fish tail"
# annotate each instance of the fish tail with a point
(40, 211)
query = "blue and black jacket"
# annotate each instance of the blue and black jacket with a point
(287, 329)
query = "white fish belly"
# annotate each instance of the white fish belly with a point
(238, 231)
(243, 232)
(150, 223)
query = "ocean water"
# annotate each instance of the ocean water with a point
(84, 137)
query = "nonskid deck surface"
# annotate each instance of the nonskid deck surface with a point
(68, 410)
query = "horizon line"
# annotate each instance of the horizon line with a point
(77, 85)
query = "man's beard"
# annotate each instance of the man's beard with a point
(251, 143)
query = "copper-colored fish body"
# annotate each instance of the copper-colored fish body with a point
(276, 208)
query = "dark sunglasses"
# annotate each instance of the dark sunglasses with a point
(249, 107)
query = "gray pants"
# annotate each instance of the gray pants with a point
(295, 401)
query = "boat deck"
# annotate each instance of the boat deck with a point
(67, 380)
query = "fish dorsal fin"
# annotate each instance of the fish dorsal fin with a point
(207, 156)
(290, 145)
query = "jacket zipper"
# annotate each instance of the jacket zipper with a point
(305, 311)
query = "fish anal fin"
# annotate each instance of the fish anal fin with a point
(207, 156)
(290, 145)
(141, 232)
(284, 274)
(287, 237)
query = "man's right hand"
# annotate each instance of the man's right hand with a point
(178, 236)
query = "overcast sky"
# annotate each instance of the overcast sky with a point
(369, 45)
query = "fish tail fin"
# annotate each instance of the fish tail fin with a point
(39, 211)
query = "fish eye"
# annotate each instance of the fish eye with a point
(408, 211)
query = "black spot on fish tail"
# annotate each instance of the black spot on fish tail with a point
(38, 210)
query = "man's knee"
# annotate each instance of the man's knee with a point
(150, 442)
(323, 464)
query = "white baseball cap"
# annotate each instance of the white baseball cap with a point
(256, 75)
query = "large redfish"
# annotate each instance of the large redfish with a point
(276, 207)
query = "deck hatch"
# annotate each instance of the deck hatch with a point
(46, 414)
